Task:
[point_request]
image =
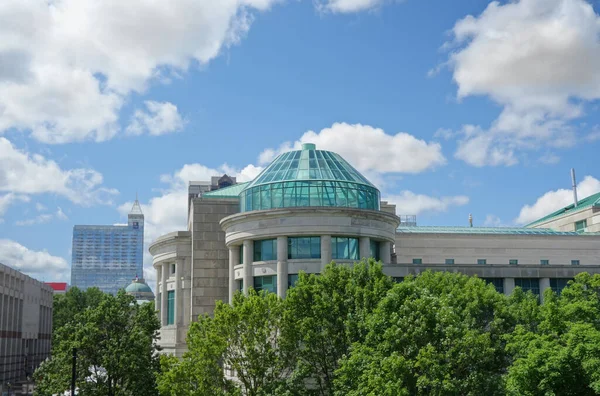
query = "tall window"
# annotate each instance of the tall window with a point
(171, 307)
(558, 284)
(172, 268)
(528, 284)
(304, 248)
(580, 225)
(265, 250)
(240, 285)
(343, 248)
(292, 279)
(241, 254)
(268, 283)
(375, 250)
(497, 282)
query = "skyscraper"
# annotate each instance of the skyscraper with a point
(108, 257)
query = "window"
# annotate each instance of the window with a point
(292, 279)
(528, 284)
(265, 250)
(574, 262)
(497, 282)
(513, 262)
(544, 262)
(268, 283)
(171, 307)
(417, 261)
(449, 261)
(375, 250)
(304, 248)
(241, 254)
(344, 248)
(481, 261)
(580, 226)
(558, 284)
(172, 268)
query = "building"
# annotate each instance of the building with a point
(140, 291)
(309, 207)
(25, 326)
(197, 188)
(59, 287)
(108, 257)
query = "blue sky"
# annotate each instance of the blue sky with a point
(450, 107)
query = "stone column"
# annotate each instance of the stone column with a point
(385, 252)
(282, 266)
(544, 284)
(157, 296)
(325, 251)
(178, 292)
(248, 259)
(234, 259)
(509, 285)
(163, 294)
(364, 247)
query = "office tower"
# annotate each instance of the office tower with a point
(108, 257)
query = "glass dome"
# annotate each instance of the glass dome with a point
(309, 177)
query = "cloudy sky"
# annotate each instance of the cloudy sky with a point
(450, 107)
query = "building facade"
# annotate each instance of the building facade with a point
(25, 325)
(108, 257)
(310, 207)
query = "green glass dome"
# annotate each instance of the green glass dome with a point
(138, 287)
(309, 177)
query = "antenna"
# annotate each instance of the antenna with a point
(470, 220)
(574, 186)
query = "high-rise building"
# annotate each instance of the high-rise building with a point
(108, 257)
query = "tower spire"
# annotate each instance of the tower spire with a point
(136, 208)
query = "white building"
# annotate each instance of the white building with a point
(25, 325)
(310, 207)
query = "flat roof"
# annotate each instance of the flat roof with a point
(488, 231)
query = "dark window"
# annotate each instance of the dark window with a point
(268, 283)
(497, 282)
(417, 261)
(544, 262)
(375, 250)
(304, 248)
(574, 262)
(241, 254)
(265, 250)
(240, 285)
(171, 307)
(449, 261)
(558, 284)
(172, 268)
(343, 248)
(528, 284)
(481, 261)
(580, 225)
(513, 262)
(292, 279)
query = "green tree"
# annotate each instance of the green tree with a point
(74, 301)
(326, 313)
(245, 339)
(561, 355)
(435, 334)
(116, 350)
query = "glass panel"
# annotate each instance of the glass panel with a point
(292, 279)
(170, 307)
(497, 282)
(315, 247)
(268, 283)
(481, 261)
(375, 250)
(528, 284)
(417, 261)
(449, 261)
(558, 284)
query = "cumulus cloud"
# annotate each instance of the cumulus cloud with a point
(348, 6)
(43, 218)
(364, 146)
(37, 264)
(556, 199)
(539, 60)
(409, 203)
(66, 67)
(159, 118)
(24, 173)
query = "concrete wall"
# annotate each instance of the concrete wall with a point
(25, 324)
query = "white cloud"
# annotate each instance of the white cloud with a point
(554, 200)
(364, 147)
(7, 199)
(43, 218)
(159, 119)
(477, 148)
(40, 207)
(492, 221)
(67, 66)
(348, 6)
(26, 173)
(550, 159)
(409, 203)
(539, 60)
(37, 264)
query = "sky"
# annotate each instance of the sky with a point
(450, 107)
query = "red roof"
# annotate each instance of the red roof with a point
(58, 286)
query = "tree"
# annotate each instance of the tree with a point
(74, 301)
(244, 338)
(116, 350)
(326, 313)
(435, 334)
(560, 356)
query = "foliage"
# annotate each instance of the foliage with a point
(74, 301)
(116, 350)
